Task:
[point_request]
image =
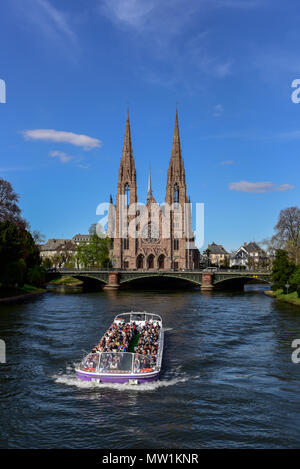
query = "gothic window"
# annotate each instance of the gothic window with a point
(150, 261)
(140, 261)
(176, 244)
(127, 194)
(161, 261)
(176, 194)
(126, 243)
(150, 231)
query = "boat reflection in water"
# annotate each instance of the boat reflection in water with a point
(121, 365)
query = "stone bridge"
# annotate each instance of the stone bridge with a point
(113, 280)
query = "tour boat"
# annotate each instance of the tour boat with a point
(121, 365)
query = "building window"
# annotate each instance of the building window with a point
(126, 243)
(161, 262)
(127, 194)
(150, 262)
(176, 244)
(176, 194)
(140, 261)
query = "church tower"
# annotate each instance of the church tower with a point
(151, 248)
(176, 197)
(124, 245)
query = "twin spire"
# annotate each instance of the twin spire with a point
(176, 165)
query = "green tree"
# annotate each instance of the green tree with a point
(94, 254)
(295, 279)
(282, 269)
(31, 252)
(18, 250)
(47, 263)
(36, 276)
(14, 273)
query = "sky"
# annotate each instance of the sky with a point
(73, 67)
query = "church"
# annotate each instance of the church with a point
(148, 236)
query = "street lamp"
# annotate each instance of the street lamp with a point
(287, 286)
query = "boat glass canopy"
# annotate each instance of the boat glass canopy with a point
(118, 362)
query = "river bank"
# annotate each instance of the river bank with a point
(67, 281)
(291, 298)
(19, 294)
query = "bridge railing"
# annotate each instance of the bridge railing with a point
(219, 271)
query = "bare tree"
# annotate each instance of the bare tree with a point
(9, 209)
(287, 234)
(38, 237)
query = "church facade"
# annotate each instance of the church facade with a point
(148, 236)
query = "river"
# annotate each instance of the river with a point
(227, 380)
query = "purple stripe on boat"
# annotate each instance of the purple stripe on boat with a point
(117, 379)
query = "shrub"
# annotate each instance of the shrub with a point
(282, 269)
(14, 273)
(298, 292)
(295, 279)
(36, 276)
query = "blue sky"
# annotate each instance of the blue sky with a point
(72, 67)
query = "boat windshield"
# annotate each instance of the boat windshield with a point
(90, 362)
(138, 318)
(121, 362)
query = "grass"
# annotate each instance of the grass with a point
(290, 298)
(66, 281)
(10, 292)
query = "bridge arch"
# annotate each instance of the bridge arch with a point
(239, 281)
(159, 279)
(89, 280)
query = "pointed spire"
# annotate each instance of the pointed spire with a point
(149, 193)
(176, 165)
(176, 147)
(127, 154)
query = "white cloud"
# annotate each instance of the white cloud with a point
(227, 162)
(130, 12)
(53, 23)
(52, 135)
(63, 157)
(138, 13)
(174, 33)
(258, 187)
(218, 110)
(56, 18)
(292, 135)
